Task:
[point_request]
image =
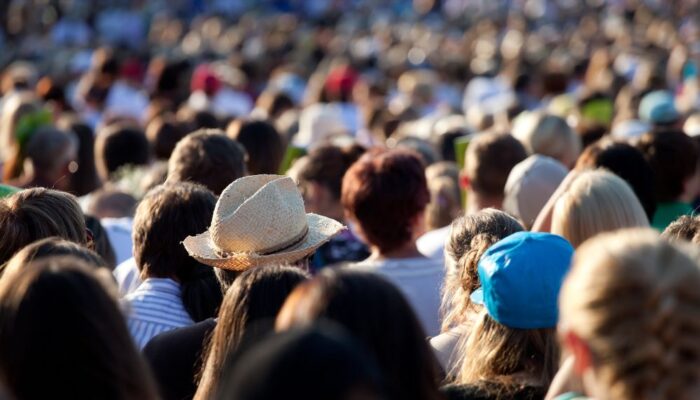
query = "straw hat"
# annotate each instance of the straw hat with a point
(260, 219)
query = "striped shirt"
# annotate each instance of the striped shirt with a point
(155, 307)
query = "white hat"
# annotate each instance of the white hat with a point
(260, 219)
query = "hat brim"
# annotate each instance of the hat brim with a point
(321, 230)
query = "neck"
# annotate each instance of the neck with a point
(477, 202)
(407, 250)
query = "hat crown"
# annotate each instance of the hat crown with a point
(258, 214)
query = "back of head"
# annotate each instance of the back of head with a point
(58, 322)
(53, 247)
(597, 201)
(118, 146)
(631, 287)
(327, 164)
(673, 157)
(376, 313)
(249, 309)
(280, 366)
(384, 192)
(209, 158)
(50, 149)
(627, 162)
(164, 218)
(264, 145)
(550, 136)
(38, 213)
(685, 228)
(470, 236)
(488, 161)
(163, 134)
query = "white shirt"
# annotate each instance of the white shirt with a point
(445, 347)
(432, 244)
(419, 279)
(119, 234)
(127, 275)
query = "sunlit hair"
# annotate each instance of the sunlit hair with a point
(512, 358)
(633, 299)
(52, 247)
(445, 197)
(470, 236)
(597, 201)
(16, 107)
(548, 135)
(252, 302)
(685, 228)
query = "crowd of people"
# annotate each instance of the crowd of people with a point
(362, 199)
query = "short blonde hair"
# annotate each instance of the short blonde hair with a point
(548, 135)
(633, 299)
(597, 201)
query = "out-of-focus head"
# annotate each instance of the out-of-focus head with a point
(52, 247)
(686, 228)
(53, 154)
(163, 133)
(209, 158)
(117, 146)
(264, 145)
(548, 135)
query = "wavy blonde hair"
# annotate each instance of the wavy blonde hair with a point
(634, 299)
(470, 236)
(597, 201)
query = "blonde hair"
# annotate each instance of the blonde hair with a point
(445, 197)
(633, 299)
(548, 135)
(597, 201)
(470, 236)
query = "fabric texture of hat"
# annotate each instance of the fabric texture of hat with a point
(258, 220)
(530, 184)
(658, 107)
(521, 276)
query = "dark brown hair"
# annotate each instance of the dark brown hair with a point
(265, 146)
(377, 314)
(253, 301)
(686, 228)
(327, 164)
(38, 213)
(209, 158)
(118, 146)
(58, 322)
(52, 247)
(384, 191)
(163, 134)
(488, 161)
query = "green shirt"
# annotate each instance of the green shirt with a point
(6, 190)
(669, 212)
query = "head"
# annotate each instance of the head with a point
(377, 314)
(209, 158)
(117, 146)
(16, 107)
(548, 135)
(489, 159)
(249, 307)
(597, 201)
(320, 177)
(88, 353)
(85, 179)
(627, 162)
(264, 145)
(445, 197)
(109, 202)
(52, 154)
(163, 134)
(470, 236)
(686, 228)
(385, 193)
(344, 369)
(629, 316)
(100, 241)
(530, 184)
(514, 340)
(53, 247)
(38, 213)
(673, 157)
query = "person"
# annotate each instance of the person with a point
(673, 157)
(163, 301)
(51, 156)
(84, 180)
(209, 158)
(88, 353)
(633, 297)
(530, 184)
(22, 115)
(117, 146)
(343, 368)
(384, 195)
(445, 196)
(264, 145)
(52, 247)
(685, 228)
(548, 135)
(265, 194)
(320, 176)
(38, 213)
(378, 315)
(470, 236)
(163, 134)
(512, 351)
(249, 307)
(596, 201)
(101, 241)
(627, 162)
(487, 163)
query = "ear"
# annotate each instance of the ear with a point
(583, 359)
